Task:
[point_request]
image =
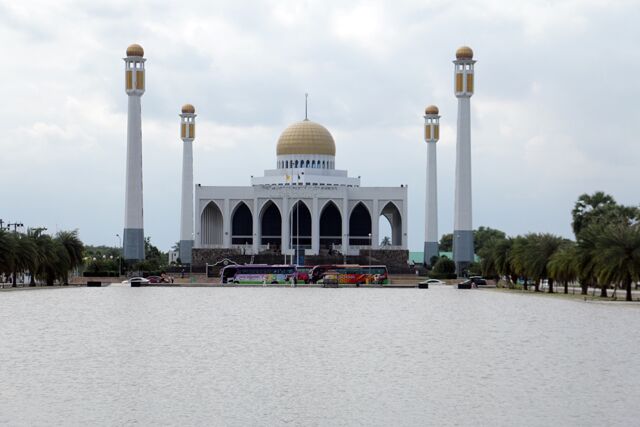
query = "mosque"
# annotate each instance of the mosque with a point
(304, 203)
(304, 206)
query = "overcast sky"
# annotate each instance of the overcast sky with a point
(555, 112)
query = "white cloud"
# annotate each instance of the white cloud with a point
(553, 116)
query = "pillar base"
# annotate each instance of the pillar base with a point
(185, 251)
(430, 250)
(463, 253)
(133, 241)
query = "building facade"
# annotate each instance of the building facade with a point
(303, 203)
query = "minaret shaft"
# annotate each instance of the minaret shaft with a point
(431, 206)
(133, 237)
(462, 224)
(186, 210)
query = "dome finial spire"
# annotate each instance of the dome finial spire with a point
(306, 98)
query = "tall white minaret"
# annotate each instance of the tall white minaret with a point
(133, 224)
(463, 224)
(188, 134)
(431, 136)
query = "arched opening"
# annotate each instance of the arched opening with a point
(359, 225)
(211, 225)
(313, 164)
(300, 223)
(330, 226)
(241, 225)
(323, 164)
(392, 215)
(271, 225)
(307, 164)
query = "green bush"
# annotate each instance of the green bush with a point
(444, 266)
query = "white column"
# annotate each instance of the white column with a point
(133, 239)
(285, 224)
(375, 225)
(186, 207)
(226, 224)
(431, 205)
(463, 227)
(345, 225)
(256, 235)
(315, 228)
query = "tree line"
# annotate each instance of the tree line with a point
(604, 254)
(47, 258)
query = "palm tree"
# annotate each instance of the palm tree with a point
(618, 255)
(585, 205)
(501, 258)
(73, 247)
(586, 258)
(518, 258)
(563, 265)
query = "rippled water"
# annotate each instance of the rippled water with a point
(255, 356)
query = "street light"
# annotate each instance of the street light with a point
(119, 256)
(370, 244)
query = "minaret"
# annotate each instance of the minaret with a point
(133, 224)
(462, 224)
(188, 134)
(431, 136)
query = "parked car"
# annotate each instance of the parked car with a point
(432, 282)
(478, 280)
(137, 281)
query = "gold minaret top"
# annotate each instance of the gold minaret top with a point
(464, 52)
(135, 50)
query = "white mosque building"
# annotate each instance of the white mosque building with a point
(305, 203)
(305, 206)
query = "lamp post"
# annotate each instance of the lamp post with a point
(15, 272)
(119, 255)
(370, 244)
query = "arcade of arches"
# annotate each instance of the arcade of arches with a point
(358, 228)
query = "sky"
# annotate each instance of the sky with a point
(555, 113)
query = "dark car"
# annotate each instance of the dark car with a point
(478, 281)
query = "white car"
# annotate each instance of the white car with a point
(136, 281)
(432, 282)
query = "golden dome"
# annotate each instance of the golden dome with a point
(431, 109)
(135, 50)
(464, 52)
(306, 137)
(188, 108)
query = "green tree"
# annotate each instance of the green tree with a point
(386, 241)
(484, 235)
(501, 258)
(73, 248)
(563, 265)
(618, 255)
(538, 254)
(444, 266)
(601, 208)
(446, 242)
(518, 258)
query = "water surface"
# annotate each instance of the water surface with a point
(327, 357)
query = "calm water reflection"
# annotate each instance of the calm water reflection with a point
(151, 356)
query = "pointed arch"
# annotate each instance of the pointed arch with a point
(211, 223)
(270, 225)
(300, 223)
(330, 225)
(360, 225)
(392, 214)
(241, 225)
